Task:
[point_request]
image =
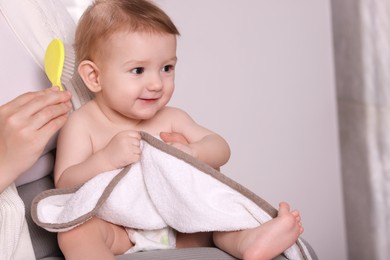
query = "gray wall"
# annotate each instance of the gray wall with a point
(261, 74)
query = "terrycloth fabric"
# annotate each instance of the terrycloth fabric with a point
(15, 243)
(166, 188)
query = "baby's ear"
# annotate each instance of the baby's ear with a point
(89, 72)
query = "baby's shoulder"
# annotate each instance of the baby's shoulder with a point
(173, 117)
(172, 112)
(82, 115)
(85, 111)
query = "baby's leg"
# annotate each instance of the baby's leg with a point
(201, 239)
(95, 239)
(266, 241)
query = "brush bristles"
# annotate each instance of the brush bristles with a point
(71, 81)
(69, 64)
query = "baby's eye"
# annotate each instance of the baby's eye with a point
(139, 70)
(167, 68)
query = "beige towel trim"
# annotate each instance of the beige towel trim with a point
(261, 203)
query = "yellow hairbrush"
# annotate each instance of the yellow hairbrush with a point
(60, 68)
(54, 62)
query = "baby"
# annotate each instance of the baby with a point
(126, 55)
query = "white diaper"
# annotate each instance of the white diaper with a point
(147, 240)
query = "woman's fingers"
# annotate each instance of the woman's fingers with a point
(41, 102)
(22, 118)
(49, 113)
(50, 128)
(36, 109)
(23, 99)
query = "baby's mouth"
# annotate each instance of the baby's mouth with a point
(149, 100)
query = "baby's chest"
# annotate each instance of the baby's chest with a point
(106, 133)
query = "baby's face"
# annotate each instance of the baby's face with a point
(137, 73)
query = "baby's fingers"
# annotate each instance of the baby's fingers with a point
(173, 138)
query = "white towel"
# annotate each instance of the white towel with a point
(165, 188)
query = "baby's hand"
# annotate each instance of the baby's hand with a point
(173, 137)
(123, 149)
(178, 141)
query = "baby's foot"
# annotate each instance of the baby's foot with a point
(273, 237)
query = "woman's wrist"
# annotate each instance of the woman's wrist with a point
(7, 175)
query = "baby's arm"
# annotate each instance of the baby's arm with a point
(77, 161)
(204, 144)
(74, 163)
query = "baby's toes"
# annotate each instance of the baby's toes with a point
(296, 214)
(284, 208)
(301, 229)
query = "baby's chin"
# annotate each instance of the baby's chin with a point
(146, 113)
(146, 116)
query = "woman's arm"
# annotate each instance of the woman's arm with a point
(26, 125)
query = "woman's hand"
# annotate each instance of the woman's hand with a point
(26, 125)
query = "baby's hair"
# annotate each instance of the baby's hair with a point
(106, 17)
